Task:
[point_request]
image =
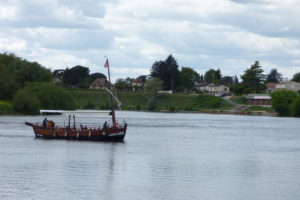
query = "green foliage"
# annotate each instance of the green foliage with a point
(90, 105)
(210, 102)
(15, 73)
(239, 100)
(274, 76)
(134, 101)
(124, 84)
(167, 71)
(295, 107)
(5, 108)
(296, 77)
(227, 80)
(38, 96)
(152, 103)
(94, 76)
(253, 80)
(171, 108)
(281, 101)
(77, 76)
(152, 86)
(188, 76)
(213, 76)
(259, 108)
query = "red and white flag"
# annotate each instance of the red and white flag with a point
(106, 65)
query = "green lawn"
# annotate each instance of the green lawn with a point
(99, 99)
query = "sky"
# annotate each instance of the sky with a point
(202, 34)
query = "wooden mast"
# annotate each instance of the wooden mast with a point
(113, 116)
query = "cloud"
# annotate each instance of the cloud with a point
(225, 34)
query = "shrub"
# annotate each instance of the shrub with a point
(209, 102)
(295, 107)
(42, 95)
(152, 103)
(5, 108)
(171, 108)
(281, 101)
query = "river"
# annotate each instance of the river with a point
(164, 156)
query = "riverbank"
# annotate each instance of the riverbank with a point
(136, 101)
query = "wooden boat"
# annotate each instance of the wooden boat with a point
(114, 132)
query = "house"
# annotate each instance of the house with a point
(288, 85)
(99, 83)
(201, 86)
(218, 90)
(271, 87)
(258, 99)
(212, 89)
(138, 83)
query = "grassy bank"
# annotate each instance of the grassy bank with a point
(99, 99)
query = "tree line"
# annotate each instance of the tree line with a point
(253, 80)
(29, 86)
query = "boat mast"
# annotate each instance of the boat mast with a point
(113, 116)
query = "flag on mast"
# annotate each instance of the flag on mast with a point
(106, 65)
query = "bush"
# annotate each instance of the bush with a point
(38, 96)
(138, 107)
(295, 107)
(171, 108)
(152, 103)
(282, 100)
(5, 108)
(209, 102)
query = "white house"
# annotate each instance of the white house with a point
(288, 85)
(212, 89)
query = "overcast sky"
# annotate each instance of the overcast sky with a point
(202, 34)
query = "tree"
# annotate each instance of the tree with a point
(236, 80)
(36, 96)
(188, 77)
(209, 76)
(227, 80)
(296, 77)
(16, 73)
(281, 101)
(253, 79)
(274, 76)
(295, 107)
(153, 85)
(218, 75)
(213, 76)
(76, 76)
(123, 84)
(167, 71)
(94, 76)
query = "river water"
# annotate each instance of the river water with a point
(164, 156)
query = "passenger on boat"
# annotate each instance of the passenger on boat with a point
(104, 125)
(45, 122)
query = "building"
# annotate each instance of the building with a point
(218, 90)
(288, 85)
(258, 99)
(212, 89)
(99, 83)
(201, 86)
(271, 87)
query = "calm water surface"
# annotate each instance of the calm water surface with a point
(164, 156)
